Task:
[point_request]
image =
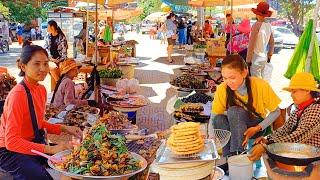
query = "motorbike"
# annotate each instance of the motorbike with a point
(4, 45)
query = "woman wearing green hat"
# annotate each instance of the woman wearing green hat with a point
(303, 125)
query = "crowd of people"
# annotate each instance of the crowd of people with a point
(244, 103)
(22, 122)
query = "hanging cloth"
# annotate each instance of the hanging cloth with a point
(107, 37)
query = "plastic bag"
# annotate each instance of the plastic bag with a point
(128, 86)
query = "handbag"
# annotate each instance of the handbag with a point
(39, 134)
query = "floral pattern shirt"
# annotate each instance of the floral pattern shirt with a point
(60, 43)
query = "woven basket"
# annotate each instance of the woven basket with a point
(127, 70)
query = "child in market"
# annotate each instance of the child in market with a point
(22, 126)
(64, 92)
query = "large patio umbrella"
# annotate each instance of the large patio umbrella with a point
(120, 14)
(157, 17)
(209, 3)
(244, 11)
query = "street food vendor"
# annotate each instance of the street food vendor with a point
(64, 92)
(207, 29)
(303, 125)
(23, 125)
(56, 45)
(246, 101)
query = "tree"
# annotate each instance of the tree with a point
(295, 11)
(24, 13)
(149, 6)
(4, 10)
(53, 4)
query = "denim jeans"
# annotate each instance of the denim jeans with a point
(22, 166)
(237, 121)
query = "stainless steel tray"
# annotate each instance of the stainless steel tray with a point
(79, 176)
(165, 156)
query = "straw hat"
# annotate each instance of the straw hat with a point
(244, 26)
(262, 10)
(67, 65)
(303, 81)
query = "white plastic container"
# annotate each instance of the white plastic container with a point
(240, 167)
(184, 171)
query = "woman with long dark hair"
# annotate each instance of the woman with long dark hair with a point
(56, 45)
(23, 126)
(246, 101)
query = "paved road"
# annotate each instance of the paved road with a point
(151, 51)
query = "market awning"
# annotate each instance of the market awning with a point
(119, 14)
(110, 3)
(244, 11)
(209, 3)
(157, 17)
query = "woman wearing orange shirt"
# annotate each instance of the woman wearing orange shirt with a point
(22, 122)
(207, 29)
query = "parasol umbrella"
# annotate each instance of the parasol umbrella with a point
(244, 11)
(209, 3)
(157, 17)
(84, 4)
(112, 3)
(165, 8)
(120, 14)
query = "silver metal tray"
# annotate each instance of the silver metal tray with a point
(165, 156)
(79, 176)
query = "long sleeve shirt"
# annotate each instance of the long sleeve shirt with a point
(65, 94)
(58, 44)
(307, 131)
(16, 132)
(268, 120)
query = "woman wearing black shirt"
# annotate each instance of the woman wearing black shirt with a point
(56, 45)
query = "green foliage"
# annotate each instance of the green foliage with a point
(149, 6)
(4, 10)
(111, 73)
(24, 13)
(300, 9)
(53, 4)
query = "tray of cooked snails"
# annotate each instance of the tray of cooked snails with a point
(187, 82)
(101, 155)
